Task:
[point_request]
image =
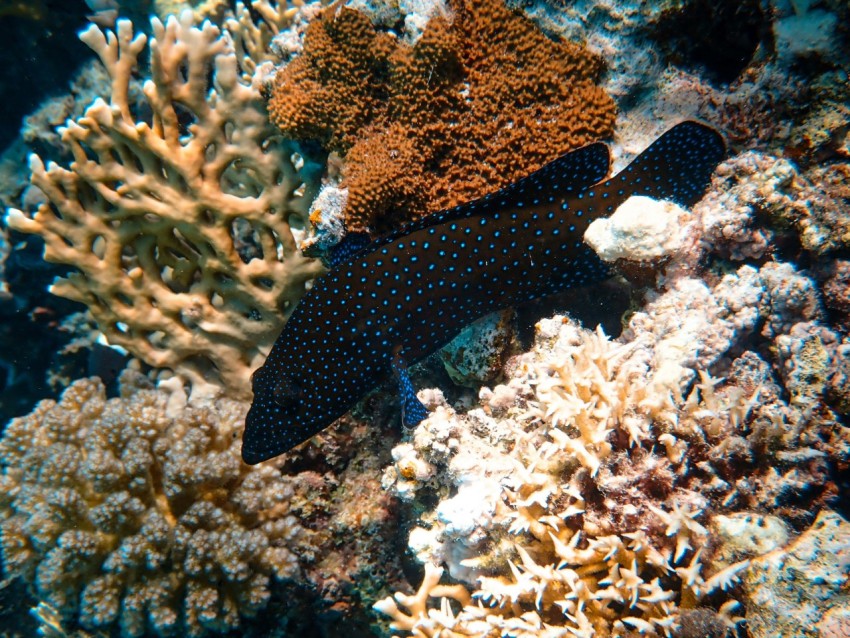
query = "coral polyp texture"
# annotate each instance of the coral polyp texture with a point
(120, 517)
(572, 506)
(180, 230)
(637, 486)
(481, 99)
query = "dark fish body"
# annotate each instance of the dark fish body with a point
(406, 295)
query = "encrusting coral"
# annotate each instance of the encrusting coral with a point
(481, 99)
(119, 516)
(182, 230)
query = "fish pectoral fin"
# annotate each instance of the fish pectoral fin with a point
(413, 411)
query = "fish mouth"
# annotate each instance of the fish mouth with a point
(255, 434)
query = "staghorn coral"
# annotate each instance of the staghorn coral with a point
(119, 516)
(477, 102)
(181, 230)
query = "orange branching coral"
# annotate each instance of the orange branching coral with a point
(475, 104)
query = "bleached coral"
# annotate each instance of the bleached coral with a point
(641, 229)
(182, 231)
(559, 537)
(119, 516)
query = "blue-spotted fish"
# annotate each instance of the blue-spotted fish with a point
(403, 296)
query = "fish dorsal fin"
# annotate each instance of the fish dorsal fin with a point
(558, 179)
(564, 176)
(676, 167)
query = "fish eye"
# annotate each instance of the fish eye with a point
(285, 393)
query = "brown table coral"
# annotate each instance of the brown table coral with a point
(476, 103)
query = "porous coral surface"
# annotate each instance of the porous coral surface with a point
(119, 516)
(481, 99)
(123, 520)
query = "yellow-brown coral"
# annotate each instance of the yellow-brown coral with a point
(181, 229)
(477, 103)
(117, 515)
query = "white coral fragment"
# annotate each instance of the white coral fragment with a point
(641, 229)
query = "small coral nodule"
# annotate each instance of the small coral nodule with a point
(119, 516)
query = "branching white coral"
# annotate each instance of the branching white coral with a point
(551, 556)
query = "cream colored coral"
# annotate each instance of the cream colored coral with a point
(556, 541)
(181, 230)
(252, 39)
(118, 516)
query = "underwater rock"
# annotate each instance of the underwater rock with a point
(806, 356)
(791, 297)
(790, 590)
(642, 229)
(478, 354)
(826, 225)
(748, 190)
(745, 535)
(806, 35)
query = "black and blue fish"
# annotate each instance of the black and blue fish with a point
(403, 296)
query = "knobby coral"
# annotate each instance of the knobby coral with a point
(479, 101)
(182, 229)
(120, 516)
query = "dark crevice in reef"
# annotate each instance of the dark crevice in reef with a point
(721, 37)
(603, 304)
(40, 53)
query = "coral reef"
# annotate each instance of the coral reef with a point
(635, 486)
(589, 494)
(814, 600)
(479, 100)
(119, 515)
(550, 478)
(122, 517)
(181, 230)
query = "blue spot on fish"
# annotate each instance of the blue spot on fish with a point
(321, 365)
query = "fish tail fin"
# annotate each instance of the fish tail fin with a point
(676, 167)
